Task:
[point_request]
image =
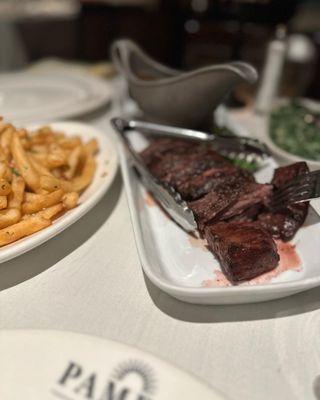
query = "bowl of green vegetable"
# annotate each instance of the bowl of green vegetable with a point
(293, 131)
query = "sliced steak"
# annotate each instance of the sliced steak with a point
(283, 175)
(280, 225)
(244, 249)
(285, 223)
(210, 179)
(228, 200)
(160, 147)
(251, 195)
(213, 205)
(247, 215)
(177, 169)
(230, 207)
(167, 166)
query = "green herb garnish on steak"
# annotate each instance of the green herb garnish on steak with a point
(238, 162)
(250, 166)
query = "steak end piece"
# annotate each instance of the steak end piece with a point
(285, 223)
(176, 169)
(283, 175)
(244, 249)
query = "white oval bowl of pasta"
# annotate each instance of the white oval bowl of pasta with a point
(54, 180)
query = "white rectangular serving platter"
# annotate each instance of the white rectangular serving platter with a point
(181, 265)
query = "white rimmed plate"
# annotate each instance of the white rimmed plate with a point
(49, 365)
(185, 269)
(27, 96)
(107, 164)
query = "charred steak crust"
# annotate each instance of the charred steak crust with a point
(251, 194)
(244, 249)
(177, 169)
(284, 174)
(285, 223)
(159, 147)
(228, 200)
(212, 178)
(210, 207)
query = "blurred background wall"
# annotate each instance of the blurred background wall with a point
(181, 33)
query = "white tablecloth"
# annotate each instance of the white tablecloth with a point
(88, 279)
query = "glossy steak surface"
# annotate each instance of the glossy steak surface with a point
(244, 249)
(285, 223)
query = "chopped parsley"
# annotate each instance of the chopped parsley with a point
(16, 172)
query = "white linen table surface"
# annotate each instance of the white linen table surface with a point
(88, 279)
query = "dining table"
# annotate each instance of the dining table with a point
(89, 280)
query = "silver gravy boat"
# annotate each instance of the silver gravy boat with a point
(173, 97)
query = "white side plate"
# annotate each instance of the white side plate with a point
(185, 269)
(72, 366)
(26, 96)
(107, 164)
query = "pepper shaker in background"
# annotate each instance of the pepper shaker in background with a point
(272, 71)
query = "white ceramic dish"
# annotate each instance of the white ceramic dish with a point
(283, 155)
(27, 96)
(107, 164)
(185, 269)
(73, 366)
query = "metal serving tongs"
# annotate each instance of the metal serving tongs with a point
(239, 147)
(165, 194)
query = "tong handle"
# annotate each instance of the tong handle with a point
(230, 144)
(166, 195)
(162, 130)
(117, 123)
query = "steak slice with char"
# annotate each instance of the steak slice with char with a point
(228, 200)
(160, 147)
(285, 223)
(177, 169)
(283, 175)
(213, 205)
(251, 195)
(244, 249)
(247, 215)
(280, 225)
(210, 179)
